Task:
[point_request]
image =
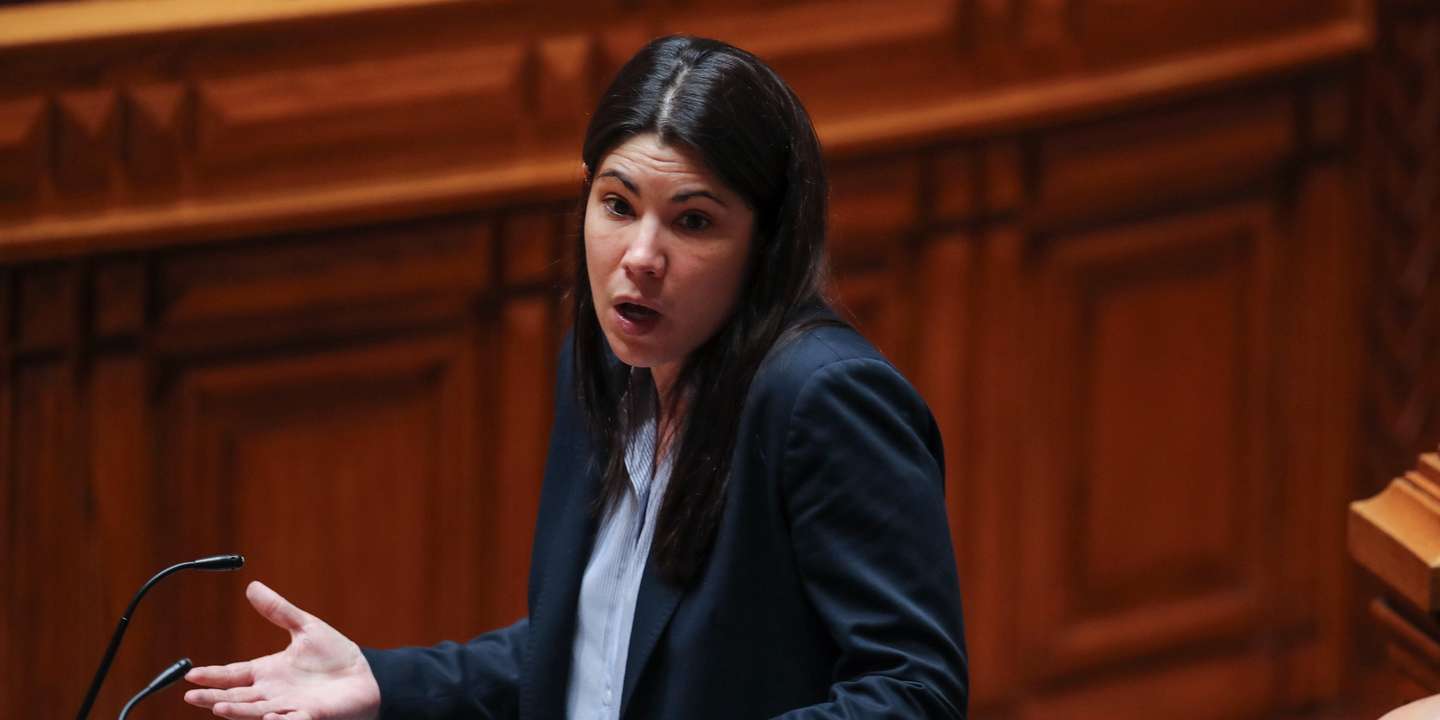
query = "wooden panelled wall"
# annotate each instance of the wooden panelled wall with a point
(286, 279)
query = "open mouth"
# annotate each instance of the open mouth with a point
(635, 320)
(636, 313)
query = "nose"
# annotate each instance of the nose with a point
(645, 255)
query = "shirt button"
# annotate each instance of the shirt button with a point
(609, 696)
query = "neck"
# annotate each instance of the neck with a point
(664, 377)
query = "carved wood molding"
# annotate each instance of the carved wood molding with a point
(187, 122)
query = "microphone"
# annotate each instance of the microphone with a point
(215, 563)
(212, 563)
(161, 681)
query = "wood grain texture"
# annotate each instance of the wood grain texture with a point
(288, 279)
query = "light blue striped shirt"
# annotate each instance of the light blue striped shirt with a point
(611, 584)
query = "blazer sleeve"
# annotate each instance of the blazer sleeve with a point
(476, 679)
(864, 486)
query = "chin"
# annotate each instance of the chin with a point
(630, 353)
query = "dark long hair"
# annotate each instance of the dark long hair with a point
(752, 132)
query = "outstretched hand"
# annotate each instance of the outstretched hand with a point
(320, 675)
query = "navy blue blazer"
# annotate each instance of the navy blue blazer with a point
(830, 591)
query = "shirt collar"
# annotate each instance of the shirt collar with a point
(639, 455)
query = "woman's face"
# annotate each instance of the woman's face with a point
(666, 245)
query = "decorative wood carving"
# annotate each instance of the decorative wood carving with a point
(23, 137)
(474, 90)
(156, 137)
(1404, 139)
(88, 143)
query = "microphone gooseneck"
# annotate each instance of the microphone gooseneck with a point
(161, 681)
(214, 562)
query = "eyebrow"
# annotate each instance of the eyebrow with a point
(678, 197)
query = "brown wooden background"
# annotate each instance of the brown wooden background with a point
(284, 278)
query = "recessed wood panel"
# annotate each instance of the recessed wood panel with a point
(1152, 493)
(333, 472)
(328, 269)
(404, 111)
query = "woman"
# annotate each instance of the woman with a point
(742, 512)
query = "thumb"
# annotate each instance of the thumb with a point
(274, 608)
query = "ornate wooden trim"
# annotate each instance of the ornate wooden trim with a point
(1403, 162)
(217, 142)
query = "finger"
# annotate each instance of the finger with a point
(208, 698)
(276, 609)
(292, 715)
(235, 674)
(251, 710)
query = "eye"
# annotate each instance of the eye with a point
(694, 221)
(616, 206)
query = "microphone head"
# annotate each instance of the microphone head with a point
(219, 562)
(170, 674)
(166, 677)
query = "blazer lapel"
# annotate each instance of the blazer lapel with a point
(654, 606)
(552, 623)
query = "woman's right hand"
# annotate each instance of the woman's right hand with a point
(320, 675)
